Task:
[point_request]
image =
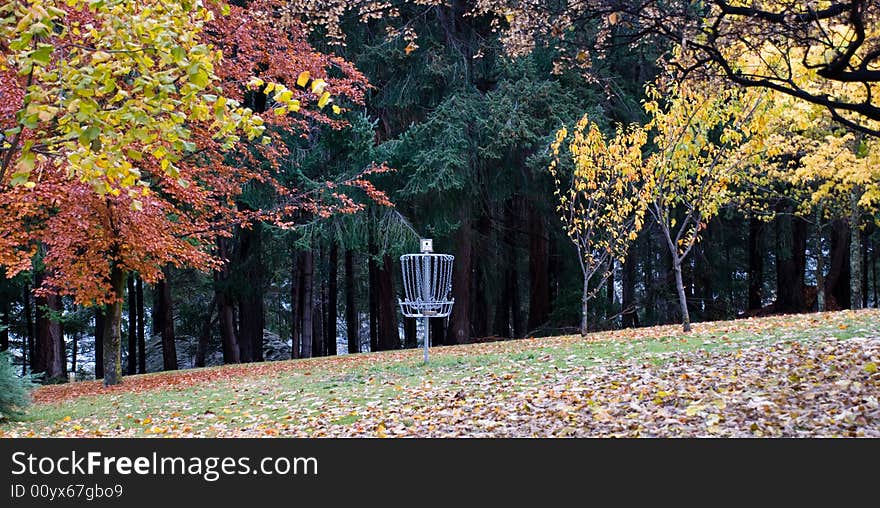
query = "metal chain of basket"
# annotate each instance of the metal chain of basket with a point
(427, 285)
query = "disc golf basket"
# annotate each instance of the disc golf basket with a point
(427, 284)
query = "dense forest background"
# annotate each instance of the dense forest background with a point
(467, 130)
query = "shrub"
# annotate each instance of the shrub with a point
(14, 390)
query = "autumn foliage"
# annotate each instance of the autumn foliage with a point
(168, 192)
(131, 128)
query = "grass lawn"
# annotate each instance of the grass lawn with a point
(800, 375)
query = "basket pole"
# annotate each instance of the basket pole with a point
(426, 320)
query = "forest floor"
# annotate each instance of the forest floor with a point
(797, 375)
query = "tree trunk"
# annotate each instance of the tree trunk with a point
(113, 330)
(308, 270)
(609, 293)
(373, 302)
(29, 325)
(51, 358)
(855, 253)
(820, 266)
(141, 324)
(295, 303)
(389, 336)
(479, 308)
(585, 309)
(539, 266)
(874, 259)
(351, 314)
(251, 309)
(166, 313)
(74, 352)
(318, 325)
(630, 316)
(756, 266)
(100, 318)
(225, 309)
(205, 335)
(131, 357)
(790, 262)
(682, 298)
(332, 299)
(838, 280)
(865, 234)
(459, 331)
(5, 296)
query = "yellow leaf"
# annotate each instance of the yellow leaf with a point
(303, 78)
(336, 109)
(871, 368)
(324, 100)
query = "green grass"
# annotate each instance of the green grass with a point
(299, 396)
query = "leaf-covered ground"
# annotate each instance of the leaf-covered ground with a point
(805, 375)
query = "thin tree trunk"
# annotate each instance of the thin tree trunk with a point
(351, 314)
(132, 327)
(332, 299)
(99, 340)
(682, 298)
(113, 330)
(141, 325)
(308, 267)
(169, 348)
(585, 300)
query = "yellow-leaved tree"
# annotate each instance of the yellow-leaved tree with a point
(705, 136)
(602, 201)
